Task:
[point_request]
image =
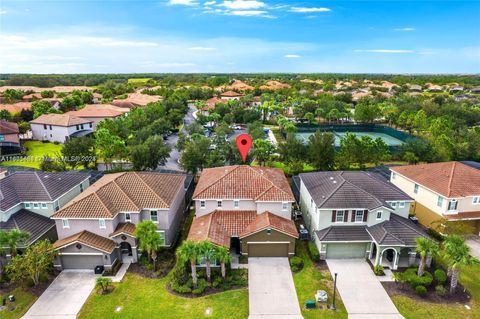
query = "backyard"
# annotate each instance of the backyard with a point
(36, 150)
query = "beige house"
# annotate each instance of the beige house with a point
(449, 190)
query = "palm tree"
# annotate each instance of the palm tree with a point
(188, 251)
(149, 239)
(208, 251)
(425, 247)
(457, 254)
(12, 239)
(223, 255)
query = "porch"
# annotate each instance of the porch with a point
(392, 257)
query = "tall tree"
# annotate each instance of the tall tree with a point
(149, 239)
(188, 251)
(262, 150)
(12, 239)
(150, 154)
(321, 150)
(425, 248)
(109, 146)
(208, 251)
(80, 150)
(224, 257)
(195, 154)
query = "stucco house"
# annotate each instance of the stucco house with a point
(28, 199)
(59, 127)
(246, 209)
(231, 95)
(99, 112)
(9, 138)
(449, 190)
(358, 215)
(97, 227)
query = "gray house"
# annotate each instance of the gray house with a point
(28, 199)
(359, 215)
(97, 227)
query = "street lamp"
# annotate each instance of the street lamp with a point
(333, 306)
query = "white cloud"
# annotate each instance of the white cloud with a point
(201, 49)
(209, 3)
(292, 56)
(183, 2)
(308, 10)
(409, 29)
(388, 51)
(248, 13)
(243, 4)
(3, 11)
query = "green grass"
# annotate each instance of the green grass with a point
(284, 167)
(138, 81)
(36, 151)
(470, 279)
(24, 300)
(148, 298)
(308, 281)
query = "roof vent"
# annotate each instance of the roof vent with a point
(331, 178)
(334, 182)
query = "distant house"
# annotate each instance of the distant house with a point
(456, 89)
(16, 107)
(414, 88)
(136, 100)
(98, 226)
(210, 105)
(32, 97)
(9, 139)
(30, 198)
(231, 95)
(246, 209)
(59, 127)
(475, 90)
(273, 85)
(99, 112)
(238, 85)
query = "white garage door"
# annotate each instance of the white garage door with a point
(344, 250)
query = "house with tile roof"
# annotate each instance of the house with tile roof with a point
(59, 127)
(99, 112)
(98, 226)
(28, 199)
(9, 138)
(246, 209)
(358, 215)
(442, 191)
(231, 95)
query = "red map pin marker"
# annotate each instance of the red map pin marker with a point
(244, 143)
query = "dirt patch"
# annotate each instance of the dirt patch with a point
(322, 266)
(208, 291)
(460, 296)
(143, 271)
(37, 290)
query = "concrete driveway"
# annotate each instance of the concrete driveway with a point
(65, 296)
(271, 291)
(361, 291)
(474, 244)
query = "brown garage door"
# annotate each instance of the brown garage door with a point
(268, 250)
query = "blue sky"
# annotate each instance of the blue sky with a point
(239, 36)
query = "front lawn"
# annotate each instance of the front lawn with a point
(36, 150)
(23, 301)
(141, 297)
(469, 278)
(309, 280)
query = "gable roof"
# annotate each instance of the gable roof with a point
(27, 186)
(343, 233)
(396, 231)
(8, 127)
(89, 239)
(350, 189)
(124, 228)
(136, 99)
(219, 225)
(59, 120)
(120, 192)
(450, 179)
(231, 94)
(16, 107)
(35, 224)
(243, 182)
(99, 110)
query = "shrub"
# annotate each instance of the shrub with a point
(296, 263)
(217, 282)
(421, 290)
(378, 270)
(180, 274)
(181, 289)
(410, 277)
(201, 286)
(440, 276)
(440, 290)
(313, 250)
(104, 283)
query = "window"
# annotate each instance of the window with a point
(65, 223)
(44, 126)
(219, 203)
(393, 204)
(162, 237)
(379, 214)
(452, 205)
(476, 200)
(36, 206)
(81, 126)
(101, 223)
(440, 201)
(128, 217)
(44, 205)
(28, 205)
(415, 188)
(339, 216)
(55, 204)
(394, 175)
(2, 137)
(81, 188)
(269, 231)
(50, 127)
(76, 126)
(154, 216)
(236, 204)
(284, 206)
(401, 204)
(202, 204)
(90, 125)
(359, 216)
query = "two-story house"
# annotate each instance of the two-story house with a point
(246, 209)
(99, 112)
(59, 127)
(28, 199)
(97, 228)
(358, 215)
(449, 190)
(9, 139)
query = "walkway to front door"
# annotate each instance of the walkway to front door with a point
(362, 293)
(271, 290)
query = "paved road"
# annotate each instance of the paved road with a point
(271, 291)
(362, 293)
(65, 296)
